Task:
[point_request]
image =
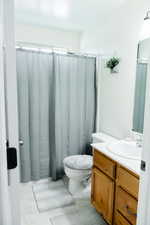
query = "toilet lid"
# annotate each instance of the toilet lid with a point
(80, 162)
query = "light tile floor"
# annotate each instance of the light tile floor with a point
(81, 213)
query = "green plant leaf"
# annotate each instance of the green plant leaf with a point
(112, 62)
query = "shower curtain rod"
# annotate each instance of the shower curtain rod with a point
(51, 49)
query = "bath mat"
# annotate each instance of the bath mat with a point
(51, 195)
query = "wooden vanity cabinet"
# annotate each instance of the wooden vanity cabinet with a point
(114, 191)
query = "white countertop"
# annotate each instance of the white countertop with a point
(131, 164)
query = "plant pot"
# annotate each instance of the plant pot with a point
(114, 70)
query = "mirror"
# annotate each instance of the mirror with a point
(140, 85)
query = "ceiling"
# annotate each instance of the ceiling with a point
(66, 14)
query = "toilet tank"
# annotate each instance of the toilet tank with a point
(102, 138)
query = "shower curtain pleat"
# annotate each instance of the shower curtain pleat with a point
(23, 107)
(74, 113)
(34, 72)
(56, 98)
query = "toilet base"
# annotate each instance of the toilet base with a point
(75, 186)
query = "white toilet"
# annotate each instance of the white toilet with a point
(78, 168)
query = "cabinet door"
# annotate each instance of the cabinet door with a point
(103, 194)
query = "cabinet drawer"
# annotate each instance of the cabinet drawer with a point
(104, 163)
(120, 220)
(128, 181)
(126, 205)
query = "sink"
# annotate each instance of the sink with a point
(126, 149)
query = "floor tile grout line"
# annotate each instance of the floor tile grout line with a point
(51, 221)
(35, 200)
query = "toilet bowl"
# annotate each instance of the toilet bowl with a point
(77, 169)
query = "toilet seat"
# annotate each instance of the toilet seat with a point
(78, 168)
(79, 162)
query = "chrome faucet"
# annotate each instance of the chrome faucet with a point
(138, 138)
(139, 141)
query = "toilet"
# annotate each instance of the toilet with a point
(78, 168)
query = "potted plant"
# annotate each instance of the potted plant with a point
(112, 64)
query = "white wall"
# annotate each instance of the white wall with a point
(145, 32)
(48, 36)
(118, 35)
(144, 49)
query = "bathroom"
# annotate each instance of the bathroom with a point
(74, 79)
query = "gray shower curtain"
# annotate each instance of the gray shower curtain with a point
(56, 98)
